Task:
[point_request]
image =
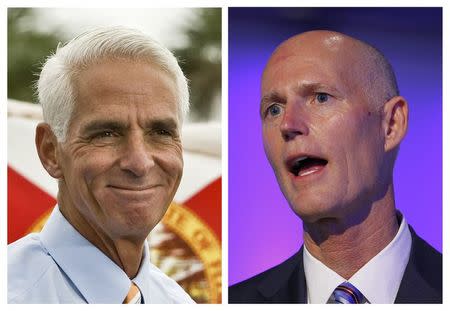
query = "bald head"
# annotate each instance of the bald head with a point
(361, 65)
(331, 124)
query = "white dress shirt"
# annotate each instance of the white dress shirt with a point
(58, 265)
(378, 280)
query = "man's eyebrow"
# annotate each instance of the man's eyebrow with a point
(98, 125)
(271, 97)
(307, 87)
(165, 123)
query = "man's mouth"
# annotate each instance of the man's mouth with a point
(131, 188)
(306, 165)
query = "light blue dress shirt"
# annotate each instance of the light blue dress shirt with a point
(59, 265)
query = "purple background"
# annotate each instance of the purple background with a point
(263, 231)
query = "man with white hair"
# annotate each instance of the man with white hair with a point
(113, 101)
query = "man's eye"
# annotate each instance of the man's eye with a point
(104, 134)
(163, 132)
(274, 110)
(108, 134)
(322, 97)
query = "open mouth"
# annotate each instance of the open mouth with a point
(306, 165)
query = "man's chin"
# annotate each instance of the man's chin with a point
(132, 229)
(135, 219)
(314, 213)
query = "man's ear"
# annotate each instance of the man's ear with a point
(395, 122)
(47, 145)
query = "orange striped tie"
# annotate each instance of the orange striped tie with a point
(134, 290)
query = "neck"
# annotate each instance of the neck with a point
(126, 252)
(345, 245)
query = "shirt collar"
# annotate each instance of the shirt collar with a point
(376, 286)
(320, 280)
(96, 276)
(379, 279)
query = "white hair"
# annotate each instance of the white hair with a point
(55, 87)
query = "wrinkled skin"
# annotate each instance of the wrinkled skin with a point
(315, 101)
(121, 162)
(345, 129)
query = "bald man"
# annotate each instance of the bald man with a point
(333, 121)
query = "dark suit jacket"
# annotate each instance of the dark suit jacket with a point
(285, 283)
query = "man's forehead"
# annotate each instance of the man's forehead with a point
(125, 110)
(317, 56)
(316, 44)
(301, 69)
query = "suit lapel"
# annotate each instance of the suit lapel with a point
(421, 283)
(422, 280)
(286, 283)
(413, 289)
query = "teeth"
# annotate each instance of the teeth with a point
(297, 164)
(309, 172)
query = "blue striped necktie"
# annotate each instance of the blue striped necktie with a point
(347, 293)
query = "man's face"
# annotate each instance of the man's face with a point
(321, 135)
(122, 159)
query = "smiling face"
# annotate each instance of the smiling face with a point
(121, 162)
(322, 136)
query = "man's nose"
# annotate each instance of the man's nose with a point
(293, 122)
(136, 157)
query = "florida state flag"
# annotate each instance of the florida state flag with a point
(186, 245)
